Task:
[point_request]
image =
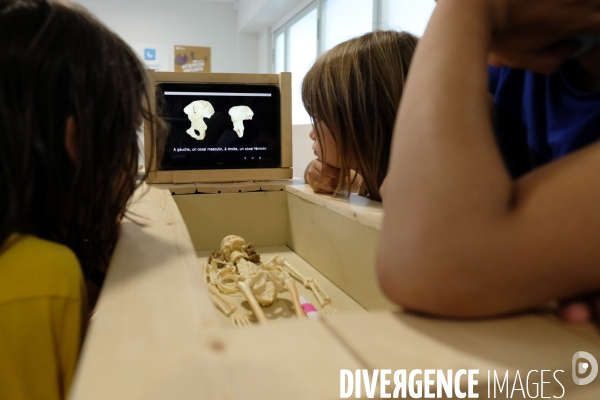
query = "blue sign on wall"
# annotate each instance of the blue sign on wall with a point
(149, 54)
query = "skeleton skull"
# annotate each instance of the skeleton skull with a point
(231, 243)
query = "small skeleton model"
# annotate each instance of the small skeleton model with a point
(238, 114)
(236, 268)
(196, 112)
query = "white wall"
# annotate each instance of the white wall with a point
(248, 10)
(302, 145)
(265, 51)
(248, 53)
(255, 15)
(185, 22)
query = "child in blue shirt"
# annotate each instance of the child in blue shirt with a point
(476, 239)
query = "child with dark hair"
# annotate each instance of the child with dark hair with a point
(72, 95)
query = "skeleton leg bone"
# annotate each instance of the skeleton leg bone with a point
(295, 273)
(290, 285)
(244, 287)
(313, 285)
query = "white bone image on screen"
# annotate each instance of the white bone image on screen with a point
(238, 115)
(196, 112)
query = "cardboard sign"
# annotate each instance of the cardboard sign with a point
(192, 59)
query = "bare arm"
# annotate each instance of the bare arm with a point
(460, 238)
(323, 178)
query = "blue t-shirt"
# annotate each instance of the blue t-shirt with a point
(549, 117)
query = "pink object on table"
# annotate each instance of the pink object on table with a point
(309, 309)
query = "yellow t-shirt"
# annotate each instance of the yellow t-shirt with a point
(42, 303)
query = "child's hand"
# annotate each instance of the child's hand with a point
(322, 178)
(537, 34)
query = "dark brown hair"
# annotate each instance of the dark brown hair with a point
(355, 89)
(57, 63)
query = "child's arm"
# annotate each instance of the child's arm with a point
(323, 178)
(459, 237)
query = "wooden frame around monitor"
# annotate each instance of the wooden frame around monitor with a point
(282, 80)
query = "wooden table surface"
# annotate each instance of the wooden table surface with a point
(156, 334)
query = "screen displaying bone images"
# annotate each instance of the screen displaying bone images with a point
(200, 109)
(220, 125)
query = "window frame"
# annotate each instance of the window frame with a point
(285, 30)
(377, 23)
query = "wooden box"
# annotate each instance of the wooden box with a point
(157, 335)
(282, 81)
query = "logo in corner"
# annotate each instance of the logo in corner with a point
(582, 363)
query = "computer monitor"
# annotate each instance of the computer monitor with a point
(223, 127)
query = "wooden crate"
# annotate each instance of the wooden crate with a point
(282, 80)
(157, 335)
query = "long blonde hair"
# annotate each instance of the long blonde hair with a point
(355, 89)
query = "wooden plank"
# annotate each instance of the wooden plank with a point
(364, 211)
(285, 90)
(230, 175)
(233, 187)
(156, 335)
(288, 360)
(524, 343)
(173, 77)
(282, 80)
(279, 184)
(259, 216)
(291, 360)
(160, 177)
(280, 173)
(152, 305)
(177, 188)
(341, 248)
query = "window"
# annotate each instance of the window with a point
(344, 19)
(295, 51)
(406, 15)
(279, 59)
(326, 23)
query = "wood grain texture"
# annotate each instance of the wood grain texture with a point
(279, 184)
(285, 89)
(157, 335)
(177, 188)
(356, 208)
(258, 79)
(260, 217)
(230, 175)
(233, 187)
(520, 343)
(340, 247)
